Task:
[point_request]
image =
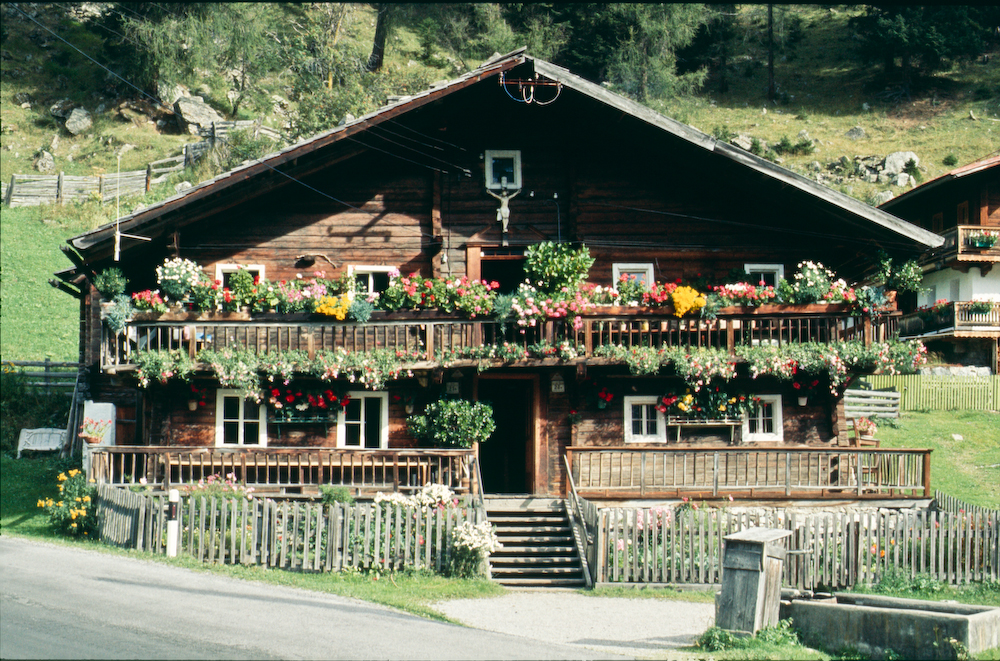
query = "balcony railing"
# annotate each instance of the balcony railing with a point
(283, 469)
(952, 316)
(967, 244)
(749, 472)
(429, 336)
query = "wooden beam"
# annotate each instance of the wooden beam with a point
(62, 286)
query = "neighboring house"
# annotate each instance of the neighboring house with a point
(459, 180)
(958, 313)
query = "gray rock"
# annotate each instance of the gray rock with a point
(54, 145)
(885, 179)
(78, 121)
(61, 108)
(882, 197)
(871, 177)
(184, 185)
(896, 161)
(170, 93)
(742, 141)
(815, 166)
(348, 118)
(856, 133)
(903, 179)
(803, 134)
(45, 162)
(193, 114)
(26, 106)
(22, 97)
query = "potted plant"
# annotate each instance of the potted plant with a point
(176, 277)
(453, 423)
(982, 239)
(92, 431)
(110, 283)
(980, 307)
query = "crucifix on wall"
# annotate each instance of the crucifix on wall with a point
(503, 213)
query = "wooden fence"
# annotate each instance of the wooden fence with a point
(922, 392)
(951, 504)
(34, 189)
(53, 378)
(302, 536)
(829, 551)
(869, 403)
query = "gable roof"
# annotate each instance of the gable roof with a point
(149, 221)
(958, 173)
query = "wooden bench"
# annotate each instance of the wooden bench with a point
(871, 403)
(681, 423)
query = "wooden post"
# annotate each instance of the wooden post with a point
(59, 188)
(187, 154)
(10, 189)
(927, 473)
(149, 177)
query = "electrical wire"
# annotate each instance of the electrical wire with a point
(425, 136)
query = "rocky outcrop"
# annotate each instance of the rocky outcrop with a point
(78, 121)
(193, 114)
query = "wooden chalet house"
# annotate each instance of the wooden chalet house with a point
(461, 180)
(958, 314)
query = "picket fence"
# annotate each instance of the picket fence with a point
(951, 504)
(826, 551)
(926, 391)
(294, 535)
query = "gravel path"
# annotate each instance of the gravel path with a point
(640, 628)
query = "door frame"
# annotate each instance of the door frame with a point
(536, 443)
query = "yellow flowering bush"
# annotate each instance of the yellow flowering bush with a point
(72, 511)
(334, 306)
(687, 299)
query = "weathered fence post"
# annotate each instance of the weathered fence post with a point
(59, 188)
(149, 177)
(172, 524)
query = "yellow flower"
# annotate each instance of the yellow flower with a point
(72, 525)
(62, 477)
(74, 472)
(72, 514)
(59, 504)
(41, 503)
(722, 407)
(78, 499)
(86, 499)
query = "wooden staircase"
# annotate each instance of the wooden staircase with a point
(538, 544)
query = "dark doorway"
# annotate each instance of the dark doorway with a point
(507, 270)
(505, 458)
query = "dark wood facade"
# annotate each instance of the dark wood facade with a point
(404, 187)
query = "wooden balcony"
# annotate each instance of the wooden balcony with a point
(961, 244)
(430, 337)
(745, 472)
(285, 470)
(956, 318)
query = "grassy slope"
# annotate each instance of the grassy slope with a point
(969, 468)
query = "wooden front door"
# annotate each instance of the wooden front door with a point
(507, 458)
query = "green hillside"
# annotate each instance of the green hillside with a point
(823, 90)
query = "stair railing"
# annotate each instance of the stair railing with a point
(585, 540)
(481, 503)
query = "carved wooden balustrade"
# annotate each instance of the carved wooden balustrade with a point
(747, 472)
(430, 337)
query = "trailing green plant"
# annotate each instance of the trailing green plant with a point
(162, 366)
(556, 267)
(72, 511)
(236, 368)
(453, 423)
(111, 283)
(242, 289)
(118, 313)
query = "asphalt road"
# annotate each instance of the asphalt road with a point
(67, 603)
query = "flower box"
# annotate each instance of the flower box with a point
(184, 315)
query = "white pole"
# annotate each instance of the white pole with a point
(173, 537)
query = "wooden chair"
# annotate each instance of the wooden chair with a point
(859, 441)
(871, 467)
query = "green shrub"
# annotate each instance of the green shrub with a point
(782, 634)
(110, 282)
(331, 494)
(453, 423)
(361, 309)
(950, 160)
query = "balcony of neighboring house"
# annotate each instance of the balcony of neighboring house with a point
(952, 319)
(967, 244)
(427, 339)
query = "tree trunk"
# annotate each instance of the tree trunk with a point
(770, 53)
(381, 32)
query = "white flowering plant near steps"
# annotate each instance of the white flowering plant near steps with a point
(471, 545)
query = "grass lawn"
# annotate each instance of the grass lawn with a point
(965, 462)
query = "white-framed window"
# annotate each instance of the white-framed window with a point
(223, 272)
(364, 422)
(239, 421)
(371, 279)
(764, 421)
(769, 274)
(503, 169)
(643, 423)
(643, 272)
